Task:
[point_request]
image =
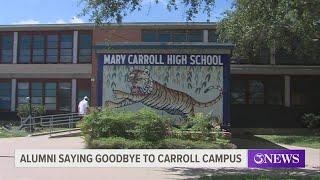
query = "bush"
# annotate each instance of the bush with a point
(36, 110)
(170, 143)
(145, 124)
(311, 120)
(153, 129)
(108, 123)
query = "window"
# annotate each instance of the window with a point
(164, 36)
(212, 36)
(85, 45)
(23, 93)
(259, 90)
(52, 48)
(149, 36)
(256, 92)
(55, 95)
(5, 96)
(50, 96)
(6, 48)
(36, 93)
(66, 44)
(180, 36)
(64, 96)
(25, 42)
(38, 43)
(305, 91)
(238, 91)
(45, 47)
(195, 36)
(83, 89)
(172, 35)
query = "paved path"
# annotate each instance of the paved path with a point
(9, 172)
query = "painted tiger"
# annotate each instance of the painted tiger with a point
(153, 94)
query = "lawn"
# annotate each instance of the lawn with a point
(16, 133)
(303, 141)
(6, 134)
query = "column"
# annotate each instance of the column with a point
(272, 55)
(74, 95)
(13, 94)
(15, 48)
(205, 36)
(287, 96)
(75, 47)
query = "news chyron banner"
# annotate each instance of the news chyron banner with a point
(190, 158)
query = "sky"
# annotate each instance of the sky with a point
(67, 11)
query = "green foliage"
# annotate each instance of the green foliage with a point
(147, 129)
(153, 129)
(287, 25)
(106, 11)
(108, 123)
(145, 124)
(311, 120)
(36, 110)
(207, 126)
(168, 143)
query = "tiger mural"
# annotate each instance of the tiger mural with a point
(153, 94)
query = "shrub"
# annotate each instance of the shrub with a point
(169, 143)
(311, 120)
(145, 124)
(108, 123)
(36, 110)
(153, 129)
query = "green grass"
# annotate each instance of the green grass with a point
(6, 134)
(259, 177)
(303, 141)
(16, 133)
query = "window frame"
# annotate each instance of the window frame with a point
(45, 33)
(7, 81)
(172, 33)
(43, 81)
(264, 80)
(78, 46)
(4, 33)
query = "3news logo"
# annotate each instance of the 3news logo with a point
(276, 158)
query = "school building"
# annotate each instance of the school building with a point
(57, 65)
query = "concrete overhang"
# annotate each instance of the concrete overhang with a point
(275, 69)
(40, 71)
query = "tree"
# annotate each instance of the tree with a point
(289, 25)
(102, 11)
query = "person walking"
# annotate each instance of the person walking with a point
(83, 107)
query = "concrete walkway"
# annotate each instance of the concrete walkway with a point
(9, 172)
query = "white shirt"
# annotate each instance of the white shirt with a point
(83, 107)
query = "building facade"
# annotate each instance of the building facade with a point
(56, 65)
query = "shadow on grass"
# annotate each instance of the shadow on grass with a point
(253, 142)
(241, 173)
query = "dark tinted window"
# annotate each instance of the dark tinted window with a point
(85, 45)
(5, 96)
(6, 48)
